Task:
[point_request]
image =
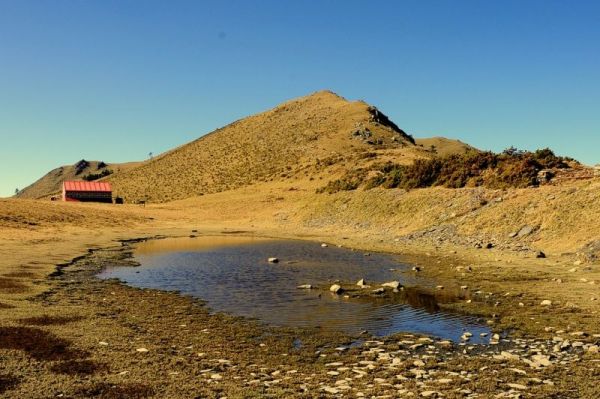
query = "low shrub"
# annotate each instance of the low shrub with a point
(511, 168)
(96, 176)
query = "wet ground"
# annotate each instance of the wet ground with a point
(233, 275)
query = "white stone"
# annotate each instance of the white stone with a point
(392, 284)
(336, 289)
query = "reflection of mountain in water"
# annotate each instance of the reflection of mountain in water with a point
(233, 276)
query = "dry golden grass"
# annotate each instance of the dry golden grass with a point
(443, 146)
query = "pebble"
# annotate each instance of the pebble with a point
(517, 386)
(546, 302)
(142, 350)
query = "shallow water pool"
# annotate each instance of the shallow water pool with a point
(232, 274)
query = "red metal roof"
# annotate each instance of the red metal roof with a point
(87, 186)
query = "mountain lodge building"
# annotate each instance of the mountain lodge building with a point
(87, 191)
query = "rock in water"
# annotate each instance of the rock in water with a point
(304, 287)
(392, 284)
(361, 282)
(273, 260)
(336, 289)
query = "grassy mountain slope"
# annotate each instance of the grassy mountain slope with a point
(295, 136)
(443, 146)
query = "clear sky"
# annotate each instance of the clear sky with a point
(115, 80)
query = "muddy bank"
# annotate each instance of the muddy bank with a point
(102, 339)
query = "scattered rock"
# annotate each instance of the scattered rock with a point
(517, 386)
(361, 282)
(273, 260)
(142, 350)
(504, 355)
(324, 245)
(378, 291)
(539, 361)
(305, 287)
(546, 302)
(540, 255)
(525, 231)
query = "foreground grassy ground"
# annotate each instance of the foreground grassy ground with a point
(70, 335)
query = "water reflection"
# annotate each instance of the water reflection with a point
(232, 274)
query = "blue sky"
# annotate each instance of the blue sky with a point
(115, 80)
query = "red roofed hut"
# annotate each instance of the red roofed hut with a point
(87, 191)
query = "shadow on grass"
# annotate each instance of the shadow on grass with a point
(39, 344)
(46, 320)
(10, 286)
(105, 390)
(78, 367)
(20, 275)
(8, 382)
